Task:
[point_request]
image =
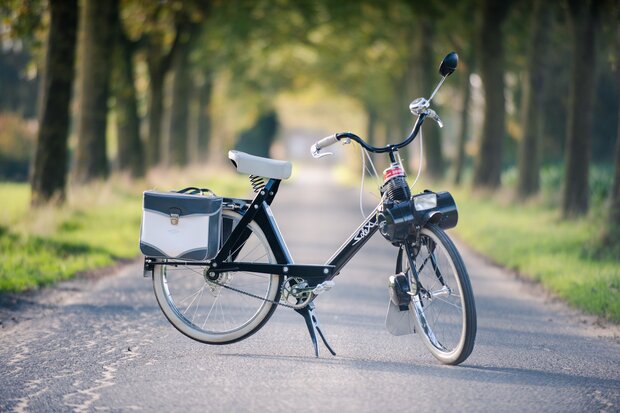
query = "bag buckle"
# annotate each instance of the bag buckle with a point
(174, 219)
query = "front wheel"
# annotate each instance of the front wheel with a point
(443, 304)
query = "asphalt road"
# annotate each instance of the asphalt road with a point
(104, 345)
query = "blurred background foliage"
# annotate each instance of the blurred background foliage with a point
(91, 88)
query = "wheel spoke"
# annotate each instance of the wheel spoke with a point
(449, 303)
(236, 250)
(188, 297)
(212, 307)
(192, 302)
(202, 290)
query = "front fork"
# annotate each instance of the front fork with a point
(412, 249)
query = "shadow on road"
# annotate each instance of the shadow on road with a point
(483, 374)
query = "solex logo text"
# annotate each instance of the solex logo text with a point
(364, 231)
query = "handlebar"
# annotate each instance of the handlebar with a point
(330, 140)
(325, 142)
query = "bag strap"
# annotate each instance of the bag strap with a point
(192, 190)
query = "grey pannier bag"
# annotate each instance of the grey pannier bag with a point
(181, 226)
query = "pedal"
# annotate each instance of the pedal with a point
(324, 287)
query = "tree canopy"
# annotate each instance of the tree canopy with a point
(172, 60)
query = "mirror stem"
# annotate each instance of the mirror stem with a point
(437, 88)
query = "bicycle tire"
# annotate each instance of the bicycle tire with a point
(445, 321)
(209, 313)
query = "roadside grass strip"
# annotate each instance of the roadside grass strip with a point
(532, 240)
(98, 226)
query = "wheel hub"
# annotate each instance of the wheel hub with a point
(216, 281)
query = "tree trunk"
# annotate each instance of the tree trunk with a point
(155, 109)
(428, 65)
(614, 205)
(371, 125)
(130, 149)
(97, 35)
(611, 234)
(533, 95)
(181, 88)
(204, 115)
(389, 130)
(459, 163)
(583, 20)
(488, 169)
(404, 119)
(407, 87)
(50, 163)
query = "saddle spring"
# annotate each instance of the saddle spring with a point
(258, 183)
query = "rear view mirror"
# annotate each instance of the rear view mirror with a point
(448, 64)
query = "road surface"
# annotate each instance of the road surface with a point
(104, 345)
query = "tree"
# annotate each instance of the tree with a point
(203, 113)
(50, 163)
(488, 168)
(22, 29)
(150, 27)
(130, 148)
(456, 26)
(459, 162)
(258, 139)
(158, 66)
(97, 36)
(533, 94)
(428, 64)
(182, 84)
(612, 233)
(583, 18)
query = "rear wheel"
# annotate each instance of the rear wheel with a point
(206, 310)
(443, 306)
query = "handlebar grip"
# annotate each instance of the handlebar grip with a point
(325, 142)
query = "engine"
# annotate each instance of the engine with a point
(395, 214)
(395, 185)
(401, 215)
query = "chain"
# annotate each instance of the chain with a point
(319, 289)
(255, 296)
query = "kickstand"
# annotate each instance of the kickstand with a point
(313, 326)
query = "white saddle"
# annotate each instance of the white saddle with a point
(258, 166)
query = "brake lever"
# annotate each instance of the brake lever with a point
(434, 116)
(316, 153)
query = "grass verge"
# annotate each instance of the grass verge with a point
(99, 225)
(533, 240)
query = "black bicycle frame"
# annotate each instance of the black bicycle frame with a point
(259, 210)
